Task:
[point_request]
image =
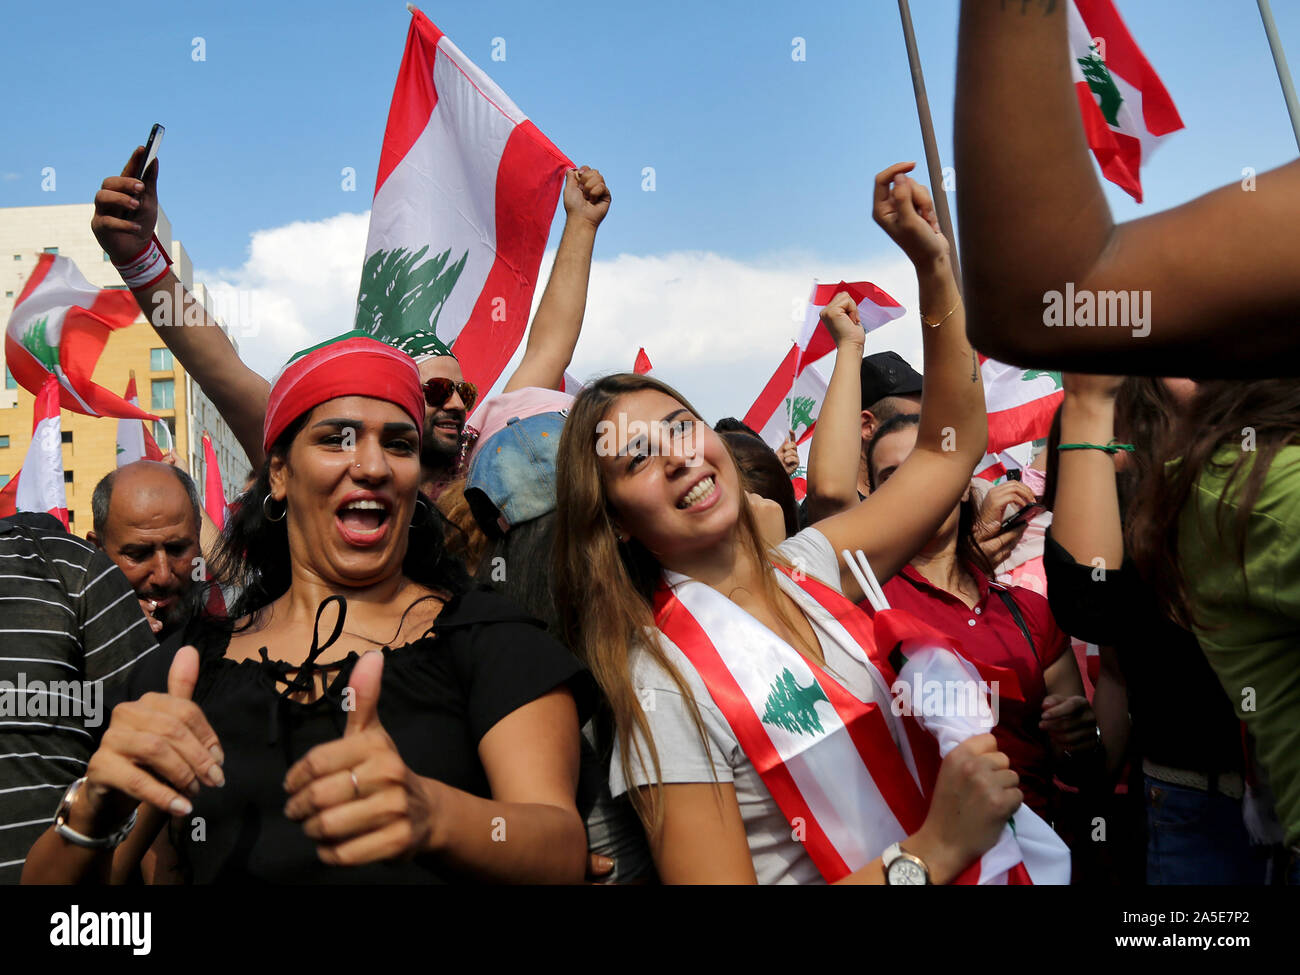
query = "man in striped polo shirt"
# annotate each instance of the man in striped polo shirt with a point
(71, 631)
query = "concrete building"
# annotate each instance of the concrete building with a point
(164, 388)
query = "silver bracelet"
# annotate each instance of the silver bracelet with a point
(81, 839)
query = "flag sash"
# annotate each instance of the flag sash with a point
(848, 782)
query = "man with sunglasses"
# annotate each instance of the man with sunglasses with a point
(448, 400)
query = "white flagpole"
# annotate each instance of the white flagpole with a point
(1283, 72)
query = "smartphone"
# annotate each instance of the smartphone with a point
(151, 149)
(1013, 474)
(1024, 514)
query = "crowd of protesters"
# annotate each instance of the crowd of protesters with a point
(594, 638)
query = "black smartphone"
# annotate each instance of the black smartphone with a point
(1024, 514)
(151, 149)
(1013, 474)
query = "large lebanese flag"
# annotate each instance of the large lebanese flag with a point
(875, 307)
(38, 486)
(1126, 110)
(134, 441)
(58, 327)
(466, 190)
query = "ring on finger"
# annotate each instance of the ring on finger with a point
(355, 787)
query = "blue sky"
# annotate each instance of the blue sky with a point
(757, 157)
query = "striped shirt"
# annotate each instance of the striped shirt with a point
(71, 633)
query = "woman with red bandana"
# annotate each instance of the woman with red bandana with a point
(306, 756)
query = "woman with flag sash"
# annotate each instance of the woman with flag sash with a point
(714, 651)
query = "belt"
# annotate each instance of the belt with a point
(1229, 784)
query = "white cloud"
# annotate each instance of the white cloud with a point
(713, 326)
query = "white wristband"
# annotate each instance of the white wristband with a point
(146, 268)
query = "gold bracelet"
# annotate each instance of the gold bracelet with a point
(942, 320)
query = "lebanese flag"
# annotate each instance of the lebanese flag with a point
(466, 190)
(788, 402)
(134, 441)
(58, 327)
(1126, 110)
(1020, 403)
(875, 308)
(214, 496)
(642, 365)
(42, 488)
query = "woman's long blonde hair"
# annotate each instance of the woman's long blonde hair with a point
(604, 590)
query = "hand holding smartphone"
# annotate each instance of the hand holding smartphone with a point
(151, 149)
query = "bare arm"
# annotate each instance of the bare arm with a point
(894, 523)
(1086, 515)
(126, 211)
(836, 449)
(1033, 217)
(555, 328)
(1110, 702)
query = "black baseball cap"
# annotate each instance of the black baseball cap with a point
(887, 374)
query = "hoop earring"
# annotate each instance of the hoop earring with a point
(267, 515)
(421, 503)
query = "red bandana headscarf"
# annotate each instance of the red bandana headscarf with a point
(353, 364)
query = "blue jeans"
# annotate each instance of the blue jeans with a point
(1195, 837)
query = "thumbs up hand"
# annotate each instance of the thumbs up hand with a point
(159, 750)
(355, 796)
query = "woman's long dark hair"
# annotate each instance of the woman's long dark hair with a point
(1259, 418)
(969, 554)
(253, 552)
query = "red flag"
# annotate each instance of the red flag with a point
(875, 308)
(43, 490)
(642, 364)
(214, 496)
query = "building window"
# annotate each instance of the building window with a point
(10, 381)
(67, 477)
(4, 441)
(106, 257)
(67, 436)
(164, 394)
(160, 360)
(9, 294)
(50, 250)
(4, 480)
(18, 257)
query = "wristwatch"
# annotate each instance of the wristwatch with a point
(81, 839)
(904, 869)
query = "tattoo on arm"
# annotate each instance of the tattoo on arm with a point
(974, 366)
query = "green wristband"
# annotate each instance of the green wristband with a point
(1113, 447)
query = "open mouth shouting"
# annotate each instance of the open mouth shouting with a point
(702, 495)
(364, 519)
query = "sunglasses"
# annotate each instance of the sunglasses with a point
(437, 391)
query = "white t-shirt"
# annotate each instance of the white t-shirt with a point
(778, 857)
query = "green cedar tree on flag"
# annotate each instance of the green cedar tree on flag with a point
(1125, 107)
(58, 327)
(466, 190)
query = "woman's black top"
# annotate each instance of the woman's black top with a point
(482, 658)
(1182, 717)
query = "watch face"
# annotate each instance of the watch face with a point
(905, 872)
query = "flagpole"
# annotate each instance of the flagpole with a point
(927, 137)
(1283, 72)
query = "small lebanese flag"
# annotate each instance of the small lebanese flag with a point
(58, 327)
(1126, 110)
(134, 441)
(799, 479)
(1020, 403)
(642, 365)
(875, 308)
(214, 496)
(789, 402)
(42, 488)
(466, 190)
